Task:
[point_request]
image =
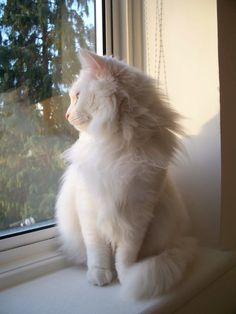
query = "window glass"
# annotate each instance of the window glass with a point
(39, 43)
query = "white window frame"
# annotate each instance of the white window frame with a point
(127, 31)
(29, 255)
(99, 27)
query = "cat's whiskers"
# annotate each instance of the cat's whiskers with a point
(74, 119)
(79, 119)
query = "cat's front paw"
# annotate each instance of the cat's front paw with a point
(99, 276)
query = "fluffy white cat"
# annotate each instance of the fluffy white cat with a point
(117, 204)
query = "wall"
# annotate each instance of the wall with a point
(189, 34)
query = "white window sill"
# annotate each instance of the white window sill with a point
(209, 289)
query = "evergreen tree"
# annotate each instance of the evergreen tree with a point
(39, 43)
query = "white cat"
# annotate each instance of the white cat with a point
(116, 199)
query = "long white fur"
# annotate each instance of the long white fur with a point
(116, 197)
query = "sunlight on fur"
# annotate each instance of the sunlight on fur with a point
(117, 209)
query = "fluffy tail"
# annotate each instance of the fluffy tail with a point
(158, 274)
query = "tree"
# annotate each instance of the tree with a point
(38, 60)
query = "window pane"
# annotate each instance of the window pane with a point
(38, 60)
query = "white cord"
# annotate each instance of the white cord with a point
(159, 53)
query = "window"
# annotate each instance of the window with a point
(39, 41)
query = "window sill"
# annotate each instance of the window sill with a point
(211, 286)
(27, 262)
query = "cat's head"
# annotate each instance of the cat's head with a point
(112, 98)
(93, 95)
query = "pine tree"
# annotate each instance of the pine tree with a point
(39, 43)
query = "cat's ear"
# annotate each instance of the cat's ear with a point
(91, 60)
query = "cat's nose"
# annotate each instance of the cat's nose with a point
(67, 115)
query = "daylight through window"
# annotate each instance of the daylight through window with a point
(39, 43)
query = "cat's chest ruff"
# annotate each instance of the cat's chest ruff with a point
(100, 163)
(107, 178)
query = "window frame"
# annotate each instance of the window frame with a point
(127, 35)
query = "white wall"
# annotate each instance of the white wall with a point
(191, 56)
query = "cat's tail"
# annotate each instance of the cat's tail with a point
(158, 274)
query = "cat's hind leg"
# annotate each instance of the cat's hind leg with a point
(165, 254)
(68, 219)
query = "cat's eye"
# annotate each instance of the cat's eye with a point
(77, 95)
